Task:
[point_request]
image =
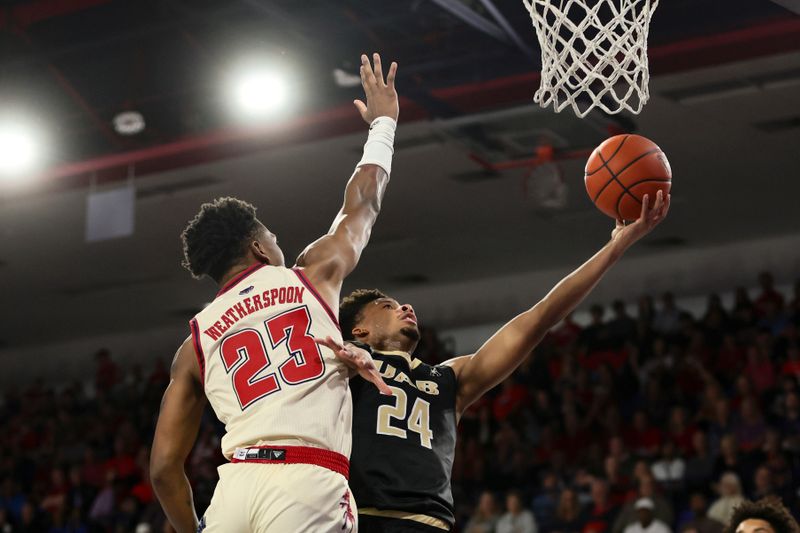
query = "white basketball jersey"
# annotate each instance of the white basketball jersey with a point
(265, 377)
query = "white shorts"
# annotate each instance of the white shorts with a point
(280, 498)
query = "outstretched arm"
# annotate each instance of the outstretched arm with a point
(176, 431)
(508, 348)
(331, 258)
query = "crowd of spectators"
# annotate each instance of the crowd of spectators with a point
(658, 421)
(654, 422)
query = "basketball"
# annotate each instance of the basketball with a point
(622, 170)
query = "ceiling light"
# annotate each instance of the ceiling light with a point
(20, 148)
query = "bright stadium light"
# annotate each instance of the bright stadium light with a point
(20, 148)
(259, 92)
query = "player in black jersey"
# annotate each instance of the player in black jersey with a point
(403, 445)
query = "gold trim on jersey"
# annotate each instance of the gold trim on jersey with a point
(403, 515)
(413, 362)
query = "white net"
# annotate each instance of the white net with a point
(594, 53)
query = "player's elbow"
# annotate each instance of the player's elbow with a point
(162, 469)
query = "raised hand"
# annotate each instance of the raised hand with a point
(649, 219)
(381, 95)
(357, 359)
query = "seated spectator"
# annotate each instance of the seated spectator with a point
(730, 460)
(751, 428)
(730, 490)
(769, 296)
(762, 483)
(667, 319)
(517, 519)
(603, 512)
(622, 328)
(511, 398)
(670, 469)
(760, 369)
(700, 464)
(643, 439)
(485, 517)
(595, 337)
(694, 520)
(645, 519)
(680, 430)
(647, 489)
(569, 515)
(546, 500)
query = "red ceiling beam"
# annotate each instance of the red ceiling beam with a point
(768, 38)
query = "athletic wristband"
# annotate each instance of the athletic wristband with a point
(379, 147)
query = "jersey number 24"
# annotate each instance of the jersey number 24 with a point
(418, 421)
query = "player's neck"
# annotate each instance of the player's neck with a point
(393, 345)
(235, 271)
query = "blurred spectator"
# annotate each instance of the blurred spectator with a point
(516, 518)
(546, 500)
(700, 464)
(751, 428)
(643, 439)
(603, 512)
(730, 490)
(769, 297)
(106, 371)
(670, 469)
(622, 328)
(667, 319)
(485, 517)
(569, 518)
(645, 519)
(694, 520)
(509, 401)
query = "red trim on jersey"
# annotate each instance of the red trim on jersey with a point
(307, 455)
(305, 281)
(198, 349)
(239, 277)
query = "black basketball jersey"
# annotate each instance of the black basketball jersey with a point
(403, 445)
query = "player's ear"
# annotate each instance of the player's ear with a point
(258, 251)
(360, 333)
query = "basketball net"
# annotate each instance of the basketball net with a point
(593, 55)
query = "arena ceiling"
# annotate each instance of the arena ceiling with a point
(725, 108)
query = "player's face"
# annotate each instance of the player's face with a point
(754, 525)
(387, 318)
(269, 247)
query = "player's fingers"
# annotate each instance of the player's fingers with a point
(369, 76)
(362, 108)
(666, 204)
(659, 201)
(378, 69)
(391, 76)
(378, 381)
(645, 206)
(326, 343)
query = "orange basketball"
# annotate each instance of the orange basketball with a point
(622, 170)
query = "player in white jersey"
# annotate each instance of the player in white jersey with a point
(284, 400)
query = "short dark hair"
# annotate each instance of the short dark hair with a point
(217, 237)
(351, 306)
(769, 509)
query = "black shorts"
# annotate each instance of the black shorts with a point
(380, 524)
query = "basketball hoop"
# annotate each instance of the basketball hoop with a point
(594, 55)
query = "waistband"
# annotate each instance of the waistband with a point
(402, 515)
(307, 455)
